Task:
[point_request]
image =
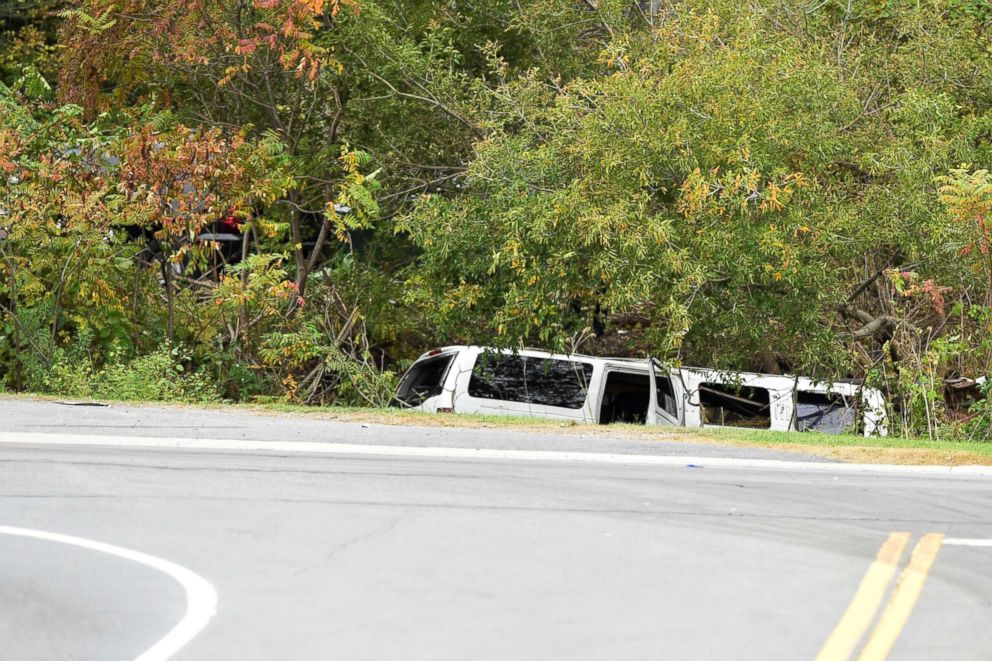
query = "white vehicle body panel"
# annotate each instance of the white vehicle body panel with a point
(685, 388)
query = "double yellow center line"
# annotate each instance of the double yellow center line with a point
(861, 612)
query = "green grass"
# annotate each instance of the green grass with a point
(401, 416)
(850, 440)
(757, 437)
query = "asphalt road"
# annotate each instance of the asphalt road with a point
(141, 421)
(362, 556)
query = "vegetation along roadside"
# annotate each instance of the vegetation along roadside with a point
(247, 201)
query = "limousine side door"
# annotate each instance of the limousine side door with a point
(664, 408)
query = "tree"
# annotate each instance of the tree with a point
(28, 38)
(710, 181)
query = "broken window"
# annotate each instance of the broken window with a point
(545, 381)
(626, 398)
(666, 395)
(424, 380)
(735, 406)
(962, 396)
(824, 412)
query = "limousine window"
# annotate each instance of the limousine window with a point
(824, 412)
(545, 381)
(728, 405)
(625, 398)
(424, 380)
(666, 395)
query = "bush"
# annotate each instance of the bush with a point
(979, 425)
(158, 376)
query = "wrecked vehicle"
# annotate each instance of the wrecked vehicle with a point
(472, 379)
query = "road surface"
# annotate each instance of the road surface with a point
(385, 551)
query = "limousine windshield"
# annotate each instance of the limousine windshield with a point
(425, 379)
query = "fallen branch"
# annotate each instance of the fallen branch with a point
(873, 327)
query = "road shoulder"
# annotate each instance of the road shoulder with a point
(389, 427)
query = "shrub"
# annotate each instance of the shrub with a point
(979, 425)
(158, 376)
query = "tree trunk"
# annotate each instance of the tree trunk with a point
(167, 275)
(15, 330)
(243, 323)
(769, 362)
(650, 9)
(138, 266)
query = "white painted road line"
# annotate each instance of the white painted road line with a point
(201, 598)
(964, 541)
(311, 447)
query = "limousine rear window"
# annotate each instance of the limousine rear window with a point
(824, 412)
(545, 381)
(424, 380)
(743, 406)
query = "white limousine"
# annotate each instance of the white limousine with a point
(469, 379)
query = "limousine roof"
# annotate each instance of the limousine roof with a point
(633, 362)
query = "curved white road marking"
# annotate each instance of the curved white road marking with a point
(201, 598)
